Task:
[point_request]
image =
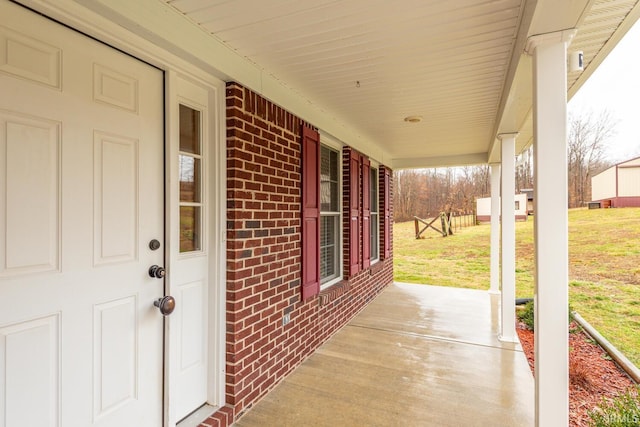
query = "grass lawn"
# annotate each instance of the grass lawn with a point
(604, 256)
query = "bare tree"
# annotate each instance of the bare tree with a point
(586, 152)
(406, 189)
(470, 182)
(427, 192)
(524, 170)
(482, 181)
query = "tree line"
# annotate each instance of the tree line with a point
(427, 192)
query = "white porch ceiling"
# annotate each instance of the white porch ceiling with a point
(443, 60)
(457, 63)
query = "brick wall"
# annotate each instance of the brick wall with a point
(264, 257)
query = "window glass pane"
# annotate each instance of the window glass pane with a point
(325, 196)
(375, 226)
(189, 228)
(374, 190)
(334, 197)
(328, 247)
(328, 180)
(189, 170)
(189, 130)
(334, 166)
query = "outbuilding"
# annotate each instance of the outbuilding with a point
(618, 186)
(483, 208)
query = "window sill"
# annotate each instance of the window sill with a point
(338, 287)
(376, 267)
(333, 291)
(330, 283)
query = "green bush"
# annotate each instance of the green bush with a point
(526, 315)
(623, 411)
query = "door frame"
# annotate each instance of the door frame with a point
(83, 20)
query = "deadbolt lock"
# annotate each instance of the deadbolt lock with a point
(157, 272)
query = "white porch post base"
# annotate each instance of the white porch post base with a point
(508, 237)
(551, 227)
(495, 229)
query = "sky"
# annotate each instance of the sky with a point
(615, 86)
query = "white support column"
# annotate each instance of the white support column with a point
(549, 53)
(508, 237)
(495, 229)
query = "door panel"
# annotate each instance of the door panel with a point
(29, 371)
(31, 156)
(116, 169)
(81, 190)
(115, 372)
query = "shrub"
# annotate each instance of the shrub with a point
(622, 411)
(579, 374)
(526, 315)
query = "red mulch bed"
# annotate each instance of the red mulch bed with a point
(592, 375)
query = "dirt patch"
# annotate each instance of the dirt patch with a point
(592, 375)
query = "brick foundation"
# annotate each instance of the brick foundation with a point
(264, 258)
(625, 202)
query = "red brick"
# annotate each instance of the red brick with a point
(263, 250)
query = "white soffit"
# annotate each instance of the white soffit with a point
(442, 60)
(357, 68)
(602, 28)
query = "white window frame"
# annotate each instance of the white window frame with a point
(375, 166)
(334, 144)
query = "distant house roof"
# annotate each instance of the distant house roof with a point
(634, 162)
(528, 192)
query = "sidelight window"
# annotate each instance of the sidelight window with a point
(190, 173)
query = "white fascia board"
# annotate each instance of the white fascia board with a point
(552, 16)
(443, 161)
(511, 99)
(166, 27)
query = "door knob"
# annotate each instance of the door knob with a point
(166, 305)
(157, 272)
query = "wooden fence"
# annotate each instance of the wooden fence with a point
(460, 220)
(449, 223)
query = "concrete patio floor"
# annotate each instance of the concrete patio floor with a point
(418, 355)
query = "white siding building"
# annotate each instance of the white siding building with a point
(618, 186)
(483, 208)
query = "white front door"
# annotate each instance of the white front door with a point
(81, 198)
